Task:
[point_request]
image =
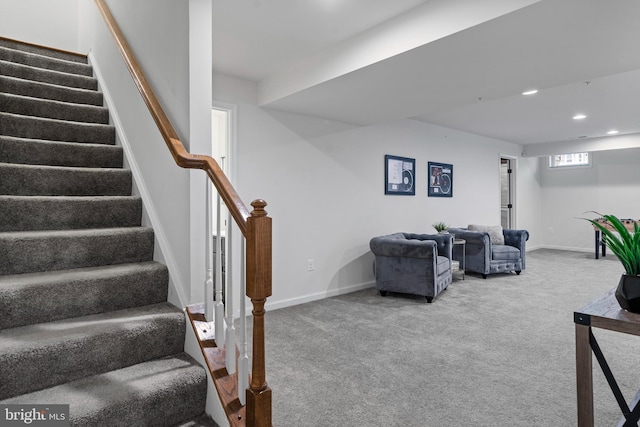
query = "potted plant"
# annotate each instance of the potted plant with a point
(625, 245)
(440, 227)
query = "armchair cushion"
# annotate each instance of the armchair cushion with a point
(504, 252)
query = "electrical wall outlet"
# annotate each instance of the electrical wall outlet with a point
(310, 266)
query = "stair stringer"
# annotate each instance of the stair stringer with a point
(214, 405)
(163, 252)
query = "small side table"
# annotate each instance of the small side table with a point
(605, 313)
(458, 265)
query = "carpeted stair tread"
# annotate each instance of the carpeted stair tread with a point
(21, 126)
(75, 348)
(202, 421)
(18, 86)
(37, 251)
(59, 153)
(44, 61)
(24, 213)
(11, 69)
(27, 299)
(161, 392)
(36, 180)
(84, 317)
(43, 50)
(46, 108)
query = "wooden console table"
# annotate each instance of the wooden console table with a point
(628, 223)
(605, 313)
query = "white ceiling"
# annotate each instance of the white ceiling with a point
(456, 63)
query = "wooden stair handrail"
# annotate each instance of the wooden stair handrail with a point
(181, 156)
(255, 226)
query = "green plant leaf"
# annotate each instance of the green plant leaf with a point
(623, 243)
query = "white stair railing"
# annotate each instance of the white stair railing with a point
(208, 283)
(255, 227)
(243, 358)
(219, 309)
(230, 341)
(219, 305)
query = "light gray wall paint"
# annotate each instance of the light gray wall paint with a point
(46, 22)
(200, 39)
(158, 33)
(527, 200)
(326, 191)
(610, 186)
(323, 180)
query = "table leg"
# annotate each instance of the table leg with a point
(597, 242)
(584, 376)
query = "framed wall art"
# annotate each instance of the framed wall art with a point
(440, 180)
(399, 175)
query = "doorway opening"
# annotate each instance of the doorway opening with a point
(507, 192)
(222, 140)
(220, 135)
(222, 129)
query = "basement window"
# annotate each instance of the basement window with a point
(570, 160)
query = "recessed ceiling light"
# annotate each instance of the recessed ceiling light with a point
(613, 132)
(530, 92)
(579, 117)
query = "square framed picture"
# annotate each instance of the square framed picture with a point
(399, 175)
(440, 180)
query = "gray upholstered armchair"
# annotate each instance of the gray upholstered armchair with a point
(418, 264)
(492, 249)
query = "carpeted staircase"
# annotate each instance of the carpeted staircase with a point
(84, 317)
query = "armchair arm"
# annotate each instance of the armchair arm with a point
(472, 237)
(515, 237)
(387, 246)
(444, 242)
(477, 250)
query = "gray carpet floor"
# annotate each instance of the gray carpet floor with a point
(494, 352)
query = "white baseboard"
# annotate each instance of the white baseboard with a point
(317, 296)
(275, 305)
(565, 248)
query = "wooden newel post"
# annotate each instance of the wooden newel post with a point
(258, 409)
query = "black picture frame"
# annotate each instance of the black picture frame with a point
(440, 180)
(399, 175)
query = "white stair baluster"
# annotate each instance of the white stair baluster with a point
(230, 342)
(208, 283)
(243, 362)
(219, 306)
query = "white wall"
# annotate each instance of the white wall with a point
(200, 47)
(610, 186)
(529, 194)
(326, 191)
(157, 31)
(45, 22)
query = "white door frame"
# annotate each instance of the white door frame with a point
(513, 164)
